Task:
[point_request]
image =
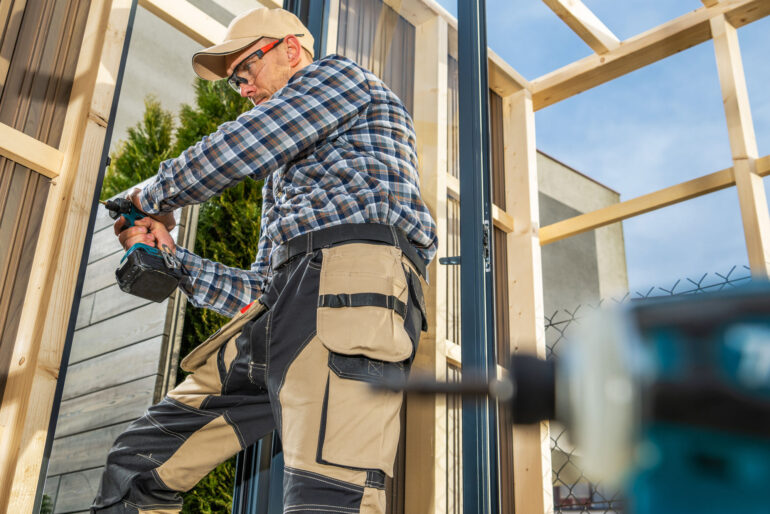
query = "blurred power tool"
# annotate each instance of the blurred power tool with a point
(667, 398)
(144, 271)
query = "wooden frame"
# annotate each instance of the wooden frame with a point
(28, 396)
(646, 203)
(30, 152)
(721, 20)
(639, 51)
(717, 20)
(743, 143)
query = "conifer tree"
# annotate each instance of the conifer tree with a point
(228, 226)
(138, 157)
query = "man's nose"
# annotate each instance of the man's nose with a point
(247, 89)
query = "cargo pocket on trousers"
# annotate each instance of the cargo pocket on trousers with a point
(362, 305)
(362, 301)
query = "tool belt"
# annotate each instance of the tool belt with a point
(347, 233)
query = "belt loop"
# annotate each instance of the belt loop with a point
(309, 242)
(395, 236)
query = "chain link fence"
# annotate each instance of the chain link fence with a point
(573, 492)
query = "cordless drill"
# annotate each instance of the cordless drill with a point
(144, 271)
(668, 399)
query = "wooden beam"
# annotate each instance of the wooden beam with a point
(26, 405)
(454, 358)
(639, 51)
(503, 79)
(187, 19)
(585, 24)
(426, 458)
(454, 354)
(740, 128)
(754, 213)
(743, 143)
(453, 186)
(28, 151)
(763, 166)
(502, 219)
(332, 28)
(636, 206)
(415, 12)
(646, 203)
(710, 3)
(533, 490)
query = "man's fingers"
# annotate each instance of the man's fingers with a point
(118, 225)
(145, 230)
(147, 239)
(166, 218)
(132, 234)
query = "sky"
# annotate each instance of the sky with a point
(653, 128)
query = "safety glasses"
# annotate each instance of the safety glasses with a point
(244, 67)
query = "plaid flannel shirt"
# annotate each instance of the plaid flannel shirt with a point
(333, 146)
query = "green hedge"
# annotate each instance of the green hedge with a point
(228, 225)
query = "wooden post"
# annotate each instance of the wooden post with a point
(332, 27)
(426, 416)
(743, 143)
(533, 490)
(29, 393)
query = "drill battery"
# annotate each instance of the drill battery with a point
(149, 273)
(144, 271)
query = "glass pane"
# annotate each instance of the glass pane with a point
(378, 38)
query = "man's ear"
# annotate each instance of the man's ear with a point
(293, 49)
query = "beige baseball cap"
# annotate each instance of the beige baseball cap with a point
(244, 31)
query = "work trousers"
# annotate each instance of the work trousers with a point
(299, 360)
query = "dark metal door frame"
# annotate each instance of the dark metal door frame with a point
(479, 418)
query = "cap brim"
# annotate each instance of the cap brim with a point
(210, 64)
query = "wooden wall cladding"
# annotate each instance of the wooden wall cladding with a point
(115, 371)
(39, 45)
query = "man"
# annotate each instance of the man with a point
(344, 238)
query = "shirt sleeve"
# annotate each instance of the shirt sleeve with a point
(216, 286)
(323, 99)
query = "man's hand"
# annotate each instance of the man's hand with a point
(166, 218)
(146, 230)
